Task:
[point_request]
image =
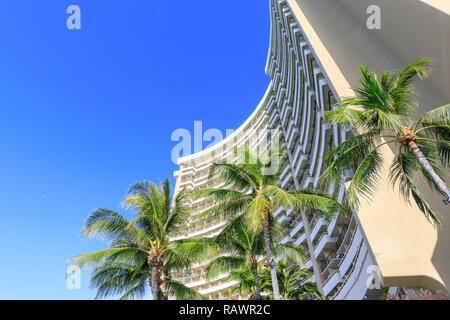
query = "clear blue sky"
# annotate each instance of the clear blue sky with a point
(85, 113)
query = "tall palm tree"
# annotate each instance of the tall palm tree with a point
(293, 282)
(142, 251)
(240, 250)
(252, 190)
(383, 111)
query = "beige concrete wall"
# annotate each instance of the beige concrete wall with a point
(408, 250)
(410, 29)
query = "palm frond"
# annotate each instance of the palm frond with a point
(192, 250)
(291, 282)
(365, 178)
(419, 69)
(254, 212)
(306, 289)
(423, 205)
(180, 291)
(226, 209)
(345, 116)
(98, 257)
(108, 225)
(436, 125)
(146, 200)
(347, 154)
(235, 236)
(440, 115)
(378, 119)
(222, 265)
(179, 215)
(166, 192)
(218, 194)
(232, 174)
(318, 202)
(135, 293)
(112, 279)
(245, 278)
(403, 168)
(289, 252)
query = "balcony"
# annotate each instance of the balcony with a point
(293, 137)
(320, 226)
(333, 223)
(335, 279)
(285, 219)
(308, 181)
(287, 169)
(281, 92)
(273, 119)
(277, 212)
(325, 243)
(330, 263)
(308, 264)
(219, 287)
(285, 181)
(300, 240)
(338, 218)
(298, 226)
(297, 153)
(285, 240)
(316, 138)
(303, 162)
(285, 113)
(351, 252)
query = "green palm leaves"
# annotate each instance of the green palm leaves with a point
(296, 283)
(382, 111)
(239, 250)
(252, 195)
(381, 103)
(140, 252)
(248, 191)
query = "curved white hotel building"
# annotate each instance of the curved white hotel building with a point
(315, 48)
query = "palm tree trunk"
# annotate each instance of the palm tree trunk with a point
(155, 281)
(255, 272)
(414, 148)
(273, 272)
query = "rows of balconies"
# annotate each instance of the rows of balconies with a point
(324, 139)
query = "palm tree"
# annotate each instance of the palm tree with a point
(246, 278)
(142, 251)
(383, 113)
(293, 282)
(252, 191)
(241, 250)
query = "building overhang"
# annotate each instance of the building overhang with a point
(408, 250)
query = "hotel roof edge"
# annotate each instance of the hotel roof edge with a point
(231, 136)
